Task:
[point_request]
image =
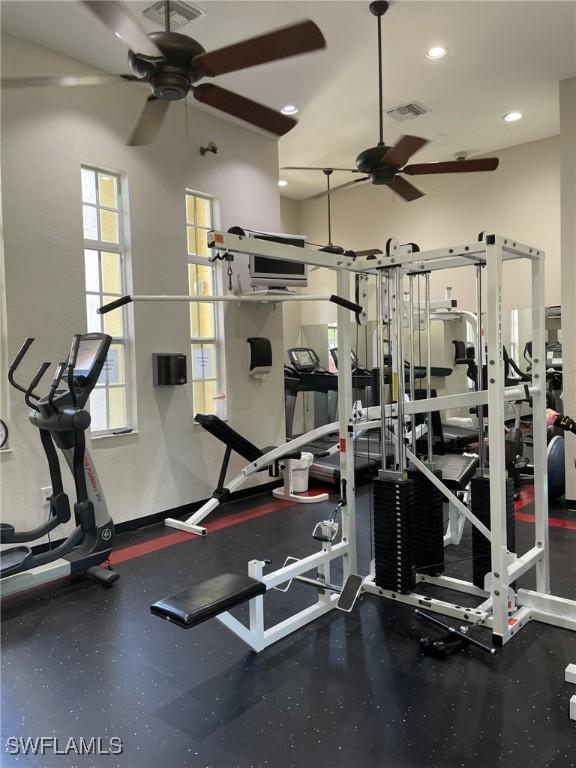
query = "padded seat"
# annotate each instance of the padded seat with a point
(203, 601)
(457, 470)
(457, 438)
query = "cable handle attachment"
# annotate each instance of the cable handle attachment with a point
(334, 514)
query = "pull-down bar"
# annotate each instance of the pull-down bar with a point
(246, 299)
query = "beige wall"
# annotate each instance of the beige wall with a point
(520, 199)
(46, 135)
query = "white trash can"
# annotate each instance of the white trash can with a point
(300, 469)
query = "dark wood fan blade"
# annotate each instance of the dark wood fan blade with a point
(243, 108)
(405, 189)
(318, 168)
(280, 44)
(403, 150)
(453, 166)
(117, 18)
(68, 81)
(149, 122)
(369, 252)
(337, 189)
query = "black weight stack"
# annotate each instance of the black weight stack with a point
(394, 534)
(480, 506)
(428, 524)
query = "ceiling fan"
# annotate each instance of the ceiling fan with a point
(172, 64)
(381, 165)
(331, 247)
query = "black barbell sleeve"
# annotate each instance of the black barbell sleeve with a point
(356, 308)
(114, 305)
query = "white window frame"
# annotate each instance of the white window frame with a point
(218, 338)
(122, 249)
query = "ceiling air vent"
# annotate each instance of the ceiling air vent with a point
(407, 111)
(180, 13)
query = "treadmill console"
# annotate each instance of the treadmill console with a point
(305, 360)
(554, 356)
(353, 359)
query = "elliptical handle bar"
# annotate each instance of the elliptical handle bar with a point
(30, 391)
(16, 362)
(59, 372)
(72, 365)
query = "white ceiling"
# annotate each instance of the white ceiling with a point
(502, 56)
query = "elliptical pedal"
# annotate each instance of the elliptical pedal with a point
(13, 560)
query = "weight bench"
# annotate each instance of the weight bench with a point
(258, 459)
(203, 601)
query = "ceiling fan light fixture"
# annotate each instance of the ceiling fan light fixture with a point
(289, 109)
(512, 117)
(436, 52)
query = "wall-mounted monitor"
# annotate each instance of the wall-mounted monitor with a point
(277, 273)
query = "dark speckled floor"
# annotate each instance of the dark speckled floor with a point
(349, 691)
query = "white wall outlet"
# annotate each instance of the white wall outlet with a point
(45, 494)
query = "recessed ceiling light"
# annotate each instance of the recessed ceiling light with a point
(282, 183)
(289, 109)
(437, 52)
(512, 117)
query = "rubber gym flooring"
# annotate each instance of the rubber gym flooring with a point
(350, 690)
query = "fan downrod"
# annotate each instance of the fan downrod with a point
(379, 7)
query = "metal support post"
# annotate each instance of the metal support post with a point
(345, 396)
(412, 356)
(399, 366)
(539, 426)
(429, 367)
(500, 580)
(479, 366)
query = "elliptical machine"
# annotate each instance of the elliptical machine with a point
(62, 421)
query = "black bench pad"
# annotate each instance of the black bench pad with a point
(457, 471)
(224, 432)
(208, 599)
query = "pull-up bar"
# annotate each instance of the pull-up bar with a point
(246, 299)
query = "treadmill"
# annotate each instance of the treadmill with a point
(304, 374)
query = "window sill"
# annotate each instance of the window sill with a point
(199, 428)
(107, 435)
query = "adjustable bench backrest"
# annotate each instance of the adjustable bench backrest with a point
(229, 436)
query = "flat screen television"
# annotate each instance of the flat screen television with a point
(278, 273)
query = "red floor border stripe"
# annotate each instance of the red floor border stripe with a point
(553, 522)
(163, 542)
(526, 498)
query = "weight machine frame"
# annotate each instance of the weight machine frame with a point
(502, 609)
